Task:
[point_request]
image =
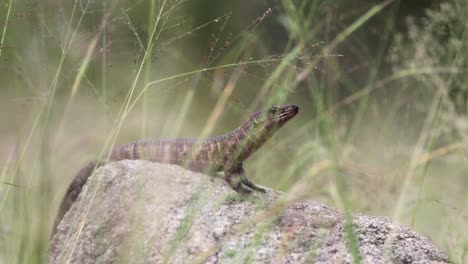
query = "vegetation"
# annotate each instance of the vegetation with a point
(382, 128)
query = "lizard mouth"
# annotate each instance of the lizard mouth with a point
(288, 111)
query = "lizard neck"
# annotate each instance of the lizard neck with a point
(243, 142)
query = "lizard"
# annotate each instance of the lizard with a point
(225, 153)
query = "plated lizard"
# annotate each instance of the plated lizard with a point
(225, 153)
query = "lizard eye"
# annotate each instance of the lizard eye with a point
(273, 110)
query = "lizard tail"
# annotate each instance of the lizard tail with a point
(73, 191)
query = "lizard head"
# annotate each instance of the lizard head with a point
(262, 125)
(273, 118)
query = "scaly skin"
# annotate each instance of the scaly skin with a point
(222, 153)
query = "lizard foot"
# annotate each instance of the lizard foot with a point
(251, 185)
(236, 185)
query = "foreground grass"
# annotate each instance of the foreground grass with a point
(376, 150)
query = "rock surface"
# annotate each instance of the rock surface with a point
(143, 212)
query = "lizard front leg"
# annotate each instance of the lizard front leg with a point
(236, 178)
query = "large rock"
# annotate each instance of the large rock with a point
(143, 212)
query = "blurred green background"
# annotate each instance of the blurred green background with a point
(382, 88)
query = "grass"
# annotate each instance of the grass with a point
(383, 134)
